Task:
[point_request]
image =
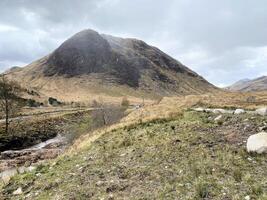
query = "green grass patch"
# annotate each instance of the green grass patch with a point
(162, 159)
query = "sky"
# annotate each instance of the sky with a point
(223, 41)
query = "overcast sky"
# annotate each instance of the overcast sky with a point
(222, 40)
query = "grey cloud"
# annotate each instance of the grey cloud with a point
(212, 37)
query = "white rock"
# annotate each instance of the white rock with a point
(31, 168)
(218, 118)
(216, 111)
(261, 111)
(208, 110)
(257, 143)
(247, 197)
(6, 175)
(21, 170)
(239, 111)
(18, 191)
(199, 109)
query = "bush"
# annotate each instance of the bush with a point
(95, 103)
(125, 102)
(53, 102)
(33, 103)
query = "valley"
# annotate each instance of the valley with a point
(171, 149)
(106, 117)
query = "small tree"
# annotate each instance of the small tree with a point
(10, 103)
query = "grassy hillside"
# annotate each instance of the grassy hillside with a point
(188, 156)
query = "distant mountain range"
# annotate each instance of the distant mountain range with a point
(247, 85)
(91, 64)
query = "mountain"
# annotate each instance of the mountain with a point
(247, 85)
(90, 64)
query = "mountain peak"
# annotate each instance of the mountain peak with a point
(97, 63)
(85, 52)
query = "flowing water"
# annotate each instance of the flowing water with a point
(11, 161)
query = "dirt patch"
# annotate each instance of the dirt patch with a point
(233, 129)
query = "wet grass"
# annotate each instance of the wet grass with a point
(161, 159)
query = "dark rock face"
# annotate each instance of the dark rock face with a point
(85, 52)
(123, 60)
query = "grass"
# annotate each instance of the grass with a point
(182, 157)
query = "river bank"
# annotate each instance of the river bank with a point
(38, 139)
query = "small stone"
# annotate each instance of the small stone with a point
(21, 170)
(99, 183)
(39, 174)
(18, 191)
(247, 197)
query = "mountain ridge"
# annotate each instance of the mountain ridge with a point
(249, 85)
(95, 63)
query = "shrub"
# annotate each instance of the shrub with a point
(54, 102)
(33, 103)
(125, 102)
(202, 190)
(237, 174)
(95, 103)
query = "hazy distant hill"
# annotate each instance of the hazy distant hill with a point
(247, 85)
(90, 64)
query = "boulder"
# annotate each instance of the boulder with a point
(257, 143)
(261, 111)
(239, 111)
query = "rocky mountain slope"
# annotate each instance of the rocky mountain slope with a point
(90, 64)
(247, 85)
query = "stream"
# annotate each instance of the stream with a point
(13, 162)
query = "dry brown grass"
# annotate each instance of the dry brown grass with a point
(169, 107)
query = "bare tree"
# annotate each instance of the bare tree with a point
(10, 103)
(106, 114)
